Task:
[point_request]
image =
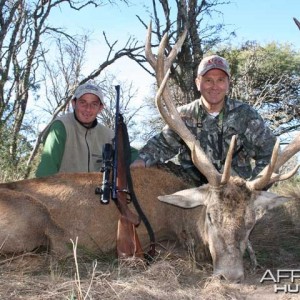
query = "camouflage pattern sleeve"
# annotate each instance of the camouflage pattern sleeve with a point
(168, 144)
(161, 147)
(260, 141)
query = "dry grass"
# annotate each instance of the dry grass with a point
(173, 275)
(170, 276)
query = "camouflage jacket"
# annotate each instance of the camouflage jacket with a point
(253, 148)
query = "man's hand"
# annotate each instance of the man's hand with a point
(138, 163)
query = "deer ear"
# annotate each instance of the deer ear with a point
(189, 198)
(267, 200)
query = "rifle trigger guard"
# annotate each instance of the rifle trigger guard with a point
(128, 194)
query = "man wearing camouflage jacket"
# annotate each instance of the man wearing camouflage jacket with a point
(214, 119)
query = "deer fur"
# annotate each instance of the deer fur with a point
(26, 224)
(64, 206)
(54, 210)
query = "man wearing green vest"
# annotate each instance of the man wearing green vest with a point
(75, 140)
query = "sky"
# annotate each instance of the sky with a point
(264, 20)
(260, 20)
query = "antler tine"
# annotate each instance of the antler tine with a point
(288, 152)
(148, 50)
(281, 177)
(176, 49)
(264, 177)
(228, 161)
(161, 67)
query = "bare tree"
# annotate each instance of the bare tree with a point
(23, 27)
(197, 17)
(24, 30)
(64, 74)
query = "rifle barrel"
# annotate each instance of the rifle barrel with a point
(115, 164)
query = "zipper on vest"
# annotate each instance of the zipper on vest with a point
(88, 148)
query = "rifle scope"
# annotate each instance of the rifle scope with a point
(107, 164)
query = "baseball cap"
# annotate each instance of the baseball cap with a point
(89, 88)
(213, 62)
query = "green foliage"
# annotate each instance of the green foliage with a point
(268, 78)
(13, 167)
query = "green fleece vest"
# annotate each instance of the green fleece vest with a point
(83, 148)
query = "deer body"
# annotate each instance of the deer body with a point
(65, 206)
(26, 224)
(72, 205)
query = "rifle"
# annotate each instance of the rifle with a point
(114, 158)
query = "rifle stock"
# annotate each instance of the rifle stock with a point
(128, 243)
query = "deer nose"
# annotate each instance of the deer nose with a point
(236, 276)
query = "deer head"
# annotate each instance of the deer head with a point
(230, 202)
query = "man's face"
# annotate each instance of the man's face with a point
(213, 86)
(86, 108)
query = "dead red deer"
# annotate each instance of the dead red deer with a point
(220, 214)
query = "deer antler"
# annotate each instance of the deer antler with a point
(288, 152)
(267, 175)
(228, 161)
(264, 177)
(168, 110)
